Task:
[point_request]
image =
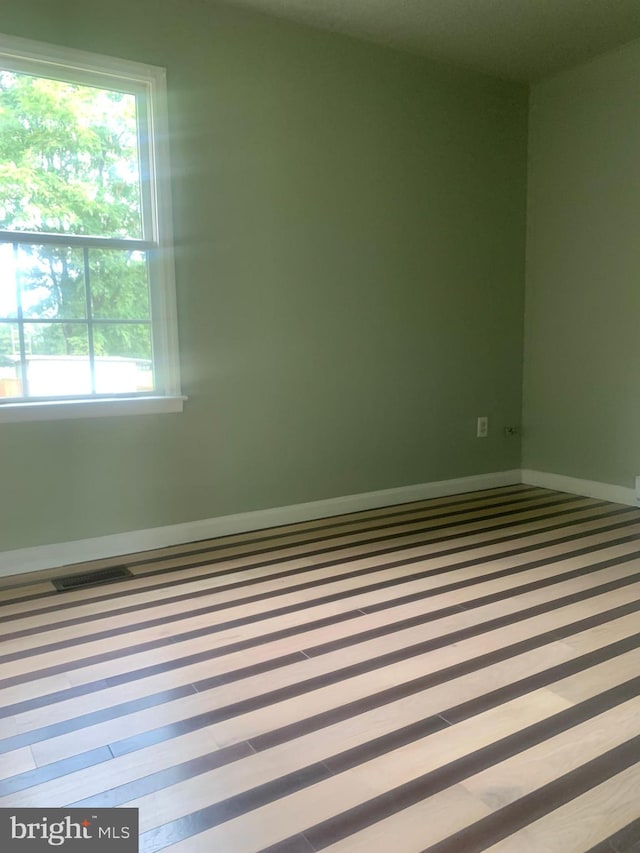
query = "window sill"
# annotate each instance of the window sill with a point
(106, 407)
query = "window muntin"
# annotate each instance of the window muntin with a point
(87, 306)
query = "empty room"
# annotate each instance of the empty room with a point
(320, 426)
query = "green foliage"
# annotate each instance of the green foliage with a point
(69, 165)
(68, 158)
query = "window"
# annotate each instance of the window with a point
(87, 294)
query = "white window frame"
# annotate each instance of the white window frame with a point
(149, 82)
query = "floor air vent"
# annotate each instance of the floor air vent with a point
(91, 578)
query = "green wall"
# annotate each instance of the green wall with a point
(582, 379)
(350, 264)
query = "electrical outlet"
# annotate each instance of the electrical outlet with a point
(483, 428)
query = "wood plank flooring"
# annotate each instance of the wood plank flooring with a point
(448, 676)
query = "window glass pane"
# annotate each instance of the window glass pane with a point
(51, 280)
(123, 358)
(8, 301)
(10, 370)
(119, 284)
(68, 158)
(57, 359)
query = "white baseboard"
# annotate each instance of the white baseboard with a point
(588, 488)
(42, 557)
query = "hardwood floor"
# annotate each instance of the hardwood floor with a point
(453, 675)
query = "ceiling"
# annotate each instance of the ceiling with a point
(516, 39)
